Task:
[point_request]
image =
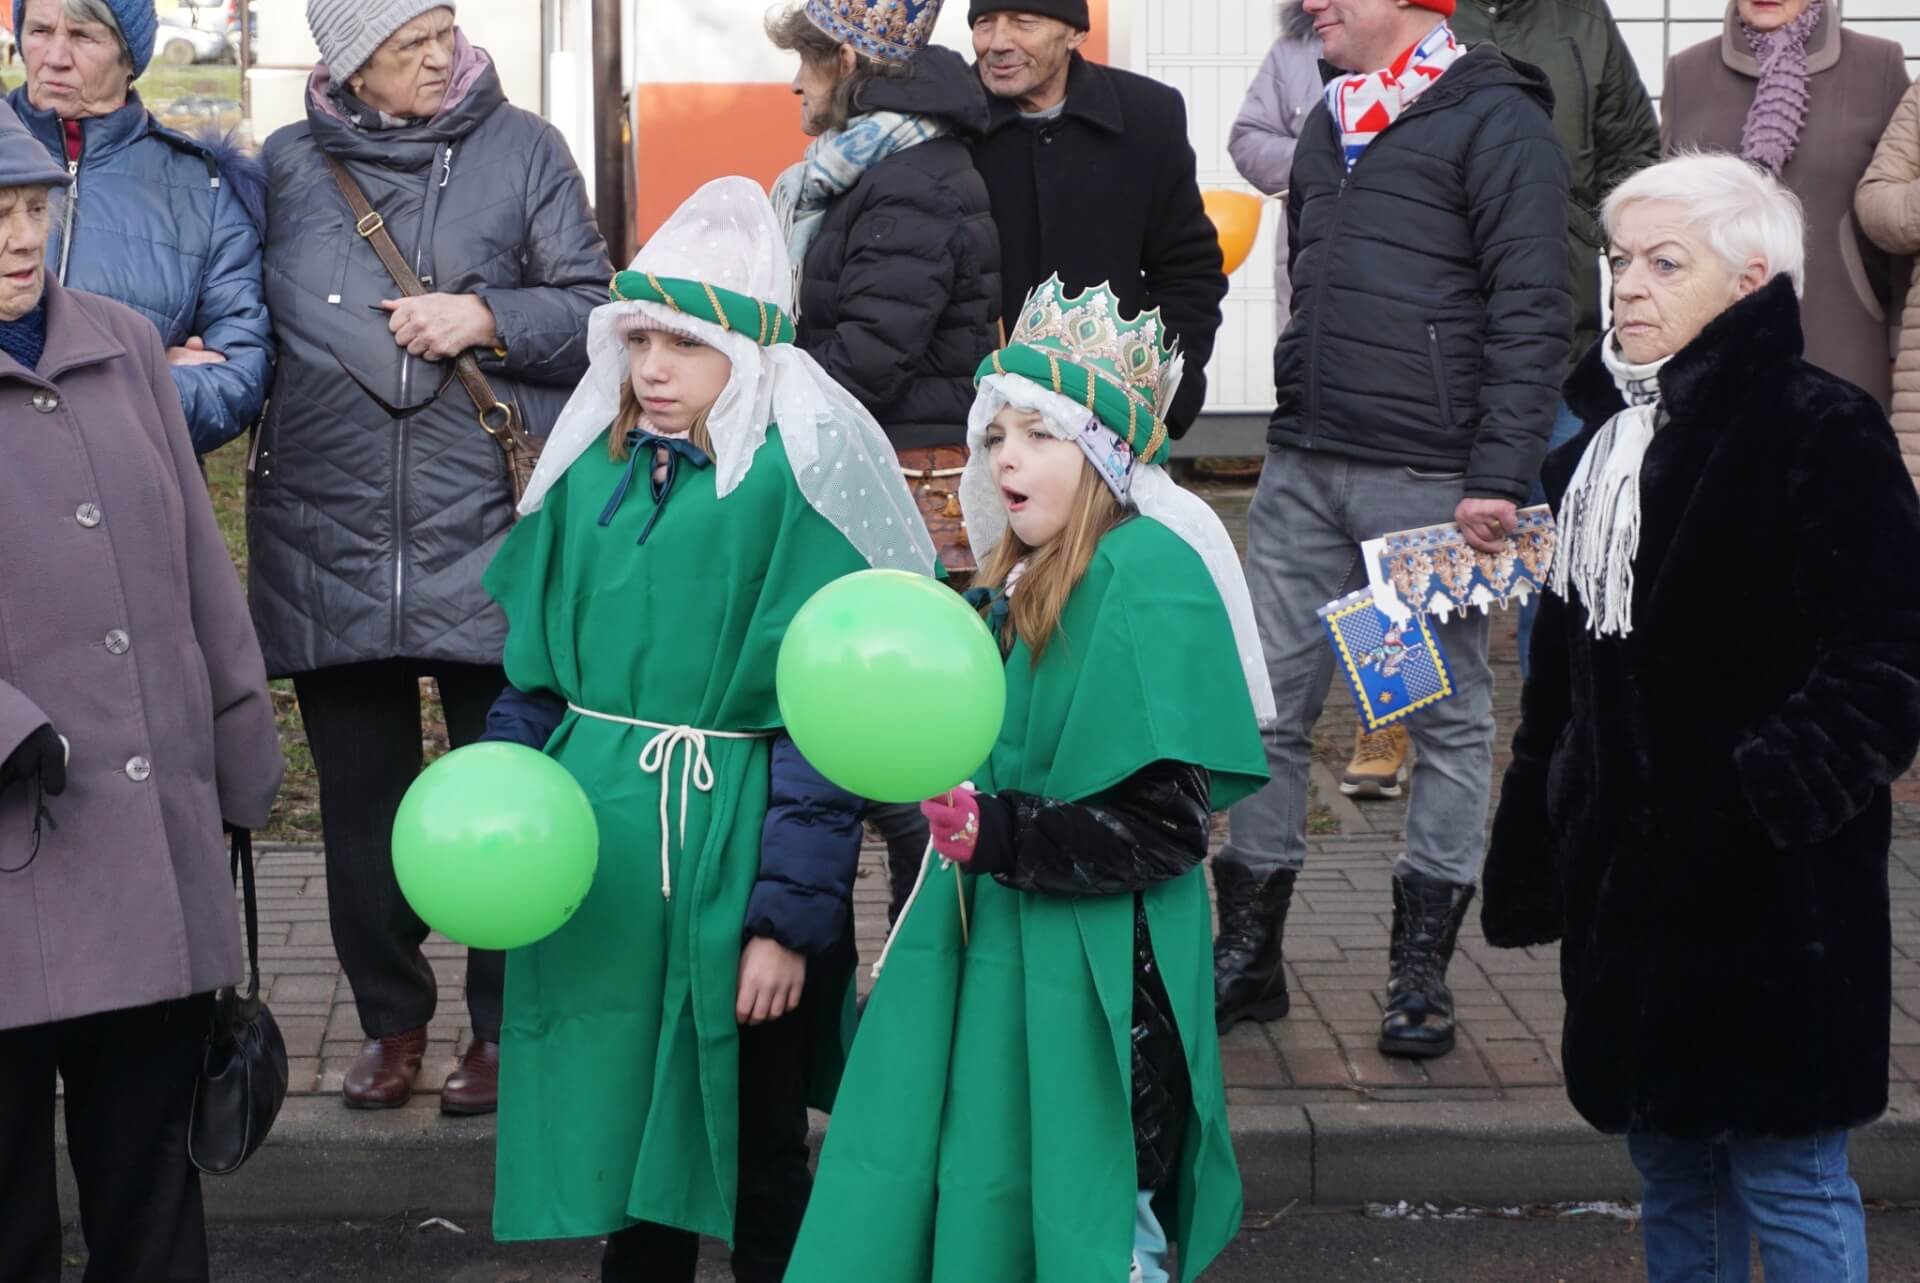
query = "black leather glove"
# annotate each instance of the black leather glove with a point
(42, 753)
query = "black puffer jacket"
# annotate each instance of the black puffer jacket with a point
(368, 533)
(1432, 303)
(1150, 828)
(901, 287)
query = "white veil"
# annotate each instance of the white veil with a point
(1153, 493)
(726, 235)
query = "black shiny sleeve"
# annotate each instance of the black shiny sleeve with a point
(1148, 829)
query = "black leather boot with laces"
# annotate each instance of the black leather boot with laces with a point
(1249, 975)
(1427, 914)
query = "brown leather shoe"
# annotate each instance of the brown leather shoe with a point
(381, 1076)
(474, 1088)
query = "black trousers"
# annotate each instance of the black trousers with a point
(774, 1181)
(906, 834)
(129, 1077)
(363, 726)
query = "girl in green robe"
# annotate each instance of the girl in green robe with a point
(1035, 1093)
(705, 480)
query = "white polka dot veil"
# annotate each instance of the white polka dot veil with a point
(726, 235)
(1154, 494)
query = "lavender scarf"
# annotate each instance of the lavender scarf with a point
(1779, 105)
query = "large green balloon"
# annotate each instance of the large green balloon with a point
(495, 846)
(891, 686)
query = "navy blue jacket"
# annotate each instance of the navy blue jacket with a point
(169, 226)
(809, 844)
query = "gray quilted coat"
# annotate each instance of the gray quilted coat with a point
(368, 533)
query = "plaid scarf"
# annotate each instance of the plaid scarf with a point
(1364, 105)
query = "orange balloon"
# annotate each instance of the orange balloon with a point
(1236, 217)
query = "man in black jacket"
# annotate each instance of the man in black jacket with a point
(1416, 383)
(1092, 176)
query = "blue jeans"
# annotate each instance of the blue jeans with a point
(1566, 426)
(1702, 1200)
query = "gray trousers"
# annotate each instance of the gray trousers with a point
(1304, 529)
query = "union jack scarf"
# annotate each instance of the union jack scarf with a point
(1364, 105)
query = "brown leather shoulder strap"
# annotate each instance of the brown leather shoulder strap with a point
(496, 416)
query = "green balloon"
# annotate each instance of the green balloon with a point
(891, 686)
(495, 846)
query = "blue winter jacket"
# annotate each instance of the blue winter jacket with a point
(170, 226)
(809, 844)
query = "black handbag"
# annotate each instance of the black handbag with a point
(243, 1074)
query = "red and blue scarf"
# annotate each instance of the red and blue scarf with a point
(1364, 105)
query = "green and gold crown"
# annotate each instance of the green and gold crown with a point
(733, 312)
(1124, 371)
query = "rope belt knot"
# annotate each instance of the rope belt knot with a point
(656, 758)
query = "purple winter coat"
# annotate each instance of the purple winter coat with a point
(1267, 130)
(123, 624)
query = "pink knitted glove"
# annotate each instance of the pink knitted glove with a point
(955, 820)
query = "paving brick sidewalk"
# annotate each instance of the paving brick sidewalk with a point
(1510, 1007)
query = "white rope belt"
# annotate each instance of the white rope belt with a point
(696, 770)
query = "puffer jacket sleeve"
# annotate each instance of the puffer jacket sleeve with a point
(1181, 266)
(1516, 182)
(894, 288)
(564, 274)
(1150, 828)
(1626, 133)
(809, 856)
(1854, 725)
(246, 744)
(222, 400)
(1262, 140)
(1887, 201)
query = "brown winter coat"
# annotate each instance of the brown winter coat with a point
(1853, 85)
(122, 623)
(1888, 205)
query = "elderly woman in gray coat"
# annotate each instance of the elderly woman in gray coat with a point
(376, 498)
(134, 723)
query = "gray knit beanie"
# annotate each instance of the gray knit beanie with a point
(348, 31)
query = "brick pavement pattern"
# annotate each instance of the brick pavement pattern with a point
(1509, 1000)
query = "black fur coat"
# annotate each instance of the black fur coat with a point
(1701, 809)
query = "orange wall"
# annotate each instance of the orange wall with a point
(687, 134)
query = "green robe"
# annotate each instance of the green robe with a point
(986, 1127)
(619, 1050)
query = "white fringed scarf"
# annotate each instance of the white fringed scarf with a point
(1600, 515)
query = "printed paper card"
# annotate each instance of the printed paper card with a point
(1434, 570)
(1395, 667)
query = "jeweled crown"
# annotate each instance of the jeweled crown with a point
(890, 30)
(1087, 329)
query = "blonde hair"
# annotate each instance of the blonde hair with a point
(1054, 571)
(629, 418)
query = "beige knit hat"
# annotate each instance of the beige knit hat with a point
(348, 31)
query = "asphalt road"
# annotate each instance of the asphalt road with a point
(1312, 1246)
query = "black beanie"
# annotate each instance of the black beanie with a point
(1071, 12)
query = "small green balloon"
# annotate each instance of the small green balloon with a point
(495, 846)
(891, 686)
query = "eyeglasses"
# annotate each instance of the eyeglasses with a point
(394, 411)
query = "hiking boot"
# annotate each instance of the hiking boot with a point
(1379, 764)
(1249, 972)
(1427, 914)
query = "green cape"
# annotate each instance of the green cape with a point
(618, 1067)
(967, 1149)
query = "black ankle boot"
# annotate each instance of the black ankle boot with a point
(1427, 914)
(1249, 980)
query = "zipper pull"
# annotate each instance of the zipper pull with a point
(446, 165)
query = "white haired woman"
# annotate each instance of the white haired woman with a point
(1725, 681)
